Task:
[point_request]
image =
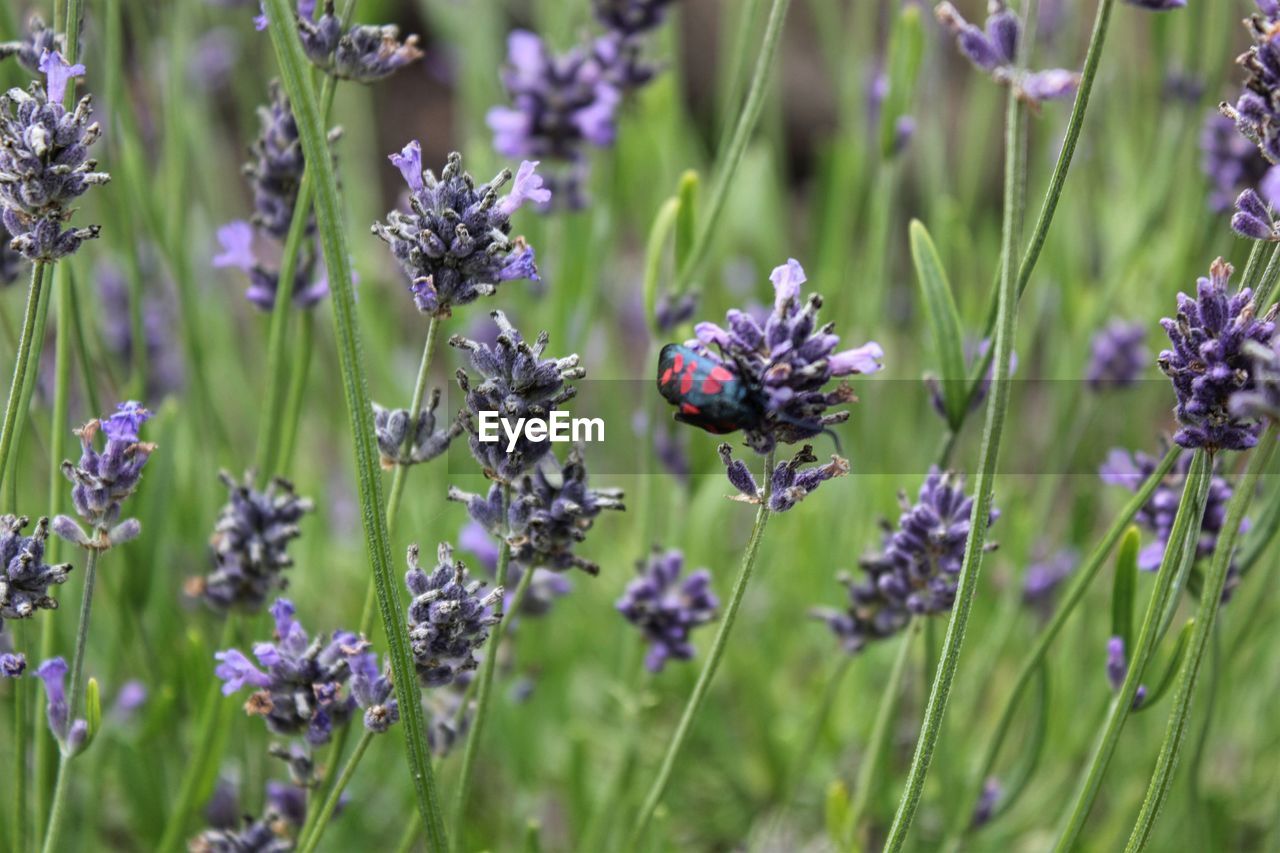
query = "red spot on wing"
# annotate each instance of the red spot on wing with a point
(686, 381)
(678, 364)
(690, 409)
(666, 377)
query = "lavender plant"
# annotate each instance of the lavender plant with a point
(666, 607)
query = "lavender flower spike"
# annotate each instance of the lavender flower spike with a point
(364, 53)
(391, 426)
(667, 609)
(44, 163)
(101, 482)
(301, 681)
(1207, 362)
(448, 618)
(454, 244)
(25, 577)
(551, 511)
(1257, 111)
(1232, 163)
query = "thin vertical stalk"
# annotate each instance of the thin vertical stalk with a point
(703, 684)
(993, 432)
(1071, 598)
(1187, 520)
(309, 843)
(1266, 284)
(747, 122)
(1206, 617)
(27, 361)
(295, 74)
(881, 732)
(73, 698)
(485, 695)
(21, 739)
(300, 367)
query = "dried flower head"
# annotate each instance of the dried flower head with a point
(448, 618)
(1208, 364)
(250, 543)
(363, 53)
(397, 447)
(45, 163)
(1117, 356)
(101, 482)
(666, 608)
(25, 577)
(301, 690)
(790, 481)
(995, 51)
(916, 571)
(551, 511)
(790, 360)
(515, 381)
(454, 244)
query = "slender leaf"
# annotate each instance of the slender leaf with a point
(944, 320)
(1124, 587)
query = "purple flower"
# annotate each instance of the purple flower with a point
(1122, 468)
(1253, 218)
(71, 733)
(391, 426)
(552, 509)
(252, 836)
(1208, 364)
(517, 382)
(1117, 356)
(666, 608)
(790, 481)
(995, 51)
(275, 172)
(992, 794)
(12, 665)
(448, 618)
(1045, 575)
(454, 244)
(238, 240)
(34, 44)
(131, 697)
(790, 359)
(1118, 668)
(1256, 113)
(371, 687)
(300, 681)
(1232, 164)
(25, 577)
(250, 543)
(364, 53)
(916, 570)
(45, 164)
(102, 481)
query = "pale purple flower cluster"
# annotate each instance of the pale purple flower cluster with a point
(25, 577)
(250, 543)
(917, 569)
(1208, 363)
(300, 685)
(1117, 356)
(371, 687)
(1253, 218)
(995, 51)
(544, 587)
(1233, 163)
(666, 608)
(455, 244)
(790, 482)
(69, 731)
(275, 176)
(515, 381)
(397, 447)
(790, 359)
(1257, 110)
(1122, 468)
(102, 481)
(363, 53)
(45, 163)
(35, 42)
(448, 618)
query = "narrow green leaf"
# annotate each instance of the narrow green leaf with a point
(296, 74)
(686, 217)
(654, 250)
(944, 320)
(1171, 670)
(836, 810)
(906, 49)
(1125, 586)
(92, 710)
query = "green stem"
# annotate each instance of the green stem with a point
(27, 362)
(1262, 293)
(1206, 616)
(485, 695)
(21, 737)
(993, 432)
(881, 733)
(1058, 180)
(297, 83)
(204, 745)
(703, 684)
(402, 471)
(73, 698)
(301, 365)
(308, 844)
(747, 122)
(1071, 598)
(1187, 520)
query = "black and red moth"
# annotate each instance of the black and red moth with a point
(706, 393)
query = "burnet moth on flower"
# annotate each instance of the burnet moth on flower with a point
(706, 393)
